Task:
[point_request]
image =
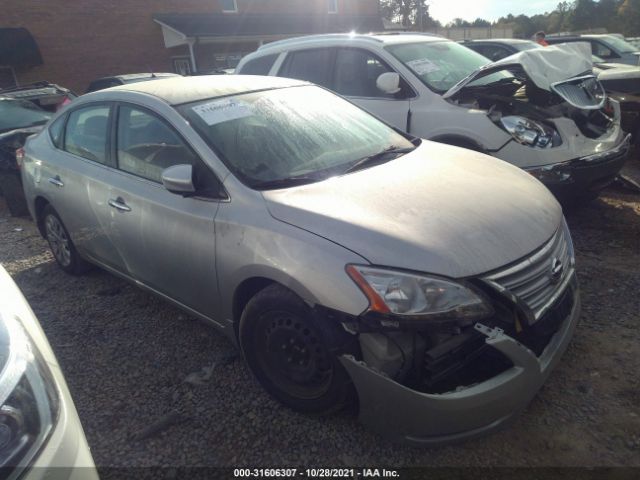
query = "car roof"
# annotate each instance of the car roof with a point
(342, 38)
(178, 90)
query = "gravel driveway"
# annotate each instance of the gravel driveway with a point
(156, 387)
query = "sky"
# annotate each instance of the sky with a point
(447, 10)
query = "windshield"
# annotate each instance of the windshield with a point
(20, 114)
(441, 65)
(620, 45)
(304, 133)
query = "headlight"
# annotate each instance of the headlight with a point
(406, 294)
(28, 397)
(528, 132)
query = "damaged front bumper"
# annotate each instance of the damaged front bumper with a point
(584, 176)
(409, 416)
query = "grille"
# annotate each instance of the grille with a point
(532, 280)
(583, 92)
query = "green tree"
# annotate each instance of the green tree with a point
(480, 22)
(583, 15)
(629, 17)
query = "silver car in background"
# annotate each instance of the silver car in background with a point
(346, 259)
(40, 433)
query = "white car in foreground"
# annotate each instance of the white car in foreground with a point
(40, 433)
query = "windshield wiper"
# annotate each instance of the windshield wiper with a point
(284, 182)
(378, 157)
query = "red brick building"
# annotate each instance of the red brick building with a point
(72, 42)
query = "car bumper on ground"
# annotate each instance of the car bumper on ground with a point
(584, 177)
(405, 415)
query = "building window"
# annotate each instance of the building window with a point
(229, 5)
(182, 65)
(333, 6)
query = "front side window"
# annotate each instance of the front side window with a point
(356, 73)
(311, 65)
(601, 50)
(146, 145)
(87, 132)
(439, 65)
(229, 5)
(304, 134)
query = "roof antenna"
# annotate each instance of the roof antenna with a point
(153, 75)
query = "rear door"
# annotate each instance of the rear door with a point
(167, 241)
(76, 178)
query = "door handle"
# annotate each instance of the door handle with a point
(119, 204)
(56, 181)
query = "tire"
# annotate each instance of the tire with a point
(13, 194)
(291, 352)
(63, 249)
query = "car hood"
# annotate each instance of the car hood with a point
(545, 66)
(622, 72)
(439, 209)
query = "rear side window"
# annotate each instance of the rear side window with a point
(87, 131)
(55, 131)
(147, 145)
(311, 65)
(259, 66)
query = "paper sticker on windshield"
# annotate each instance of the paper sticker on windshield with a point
(423, 66)
(222, 111)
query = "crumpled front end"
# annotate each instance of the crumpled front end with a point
(558, 117)
(445, 383)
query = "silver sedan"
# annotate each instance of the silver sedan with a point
(350, 262)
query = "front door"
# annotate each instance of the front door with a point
(355, 75)
(167, 240)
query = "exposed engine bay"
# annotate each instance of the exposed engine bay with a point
(518, 95)
(448, 357)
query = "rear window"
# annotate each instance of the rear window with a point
(259, 66)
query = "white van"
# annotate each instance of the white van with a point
(542, 109)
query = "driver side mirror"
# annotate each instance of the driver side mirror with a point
(178, 179)
(389, 82)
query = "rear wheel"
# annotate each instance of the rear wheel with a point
(60, 243)
(291, 352)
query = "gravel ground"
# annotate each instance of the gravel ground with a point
(155, 387)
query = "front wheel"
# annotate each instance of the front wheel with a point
(290, 352)
(60, 243)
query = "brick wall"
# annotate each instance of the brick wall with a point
(81, 40)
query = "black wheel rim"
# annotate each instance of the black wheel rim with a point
(292, 355)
